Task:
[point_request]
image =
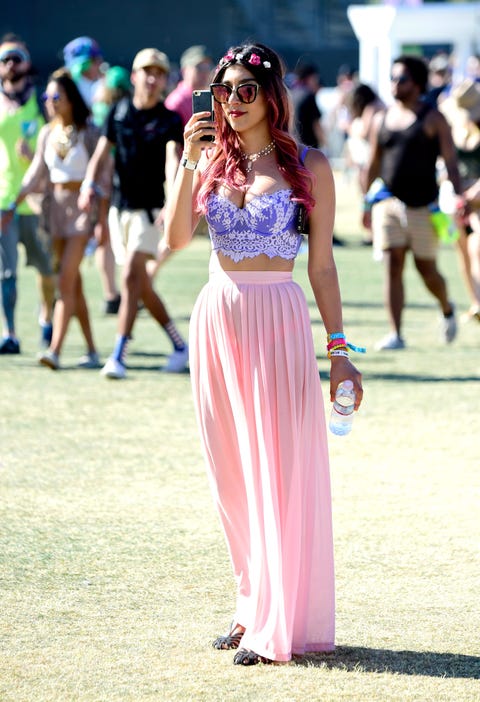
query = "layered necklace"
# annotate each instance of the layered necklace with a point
(63, 138)
(251, 158)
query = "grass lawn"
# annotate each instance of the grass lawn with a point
(114, 576)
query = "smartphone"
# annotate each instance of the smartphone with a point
(202, 101)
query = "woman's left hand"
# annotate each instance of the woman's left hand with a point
(343, 369)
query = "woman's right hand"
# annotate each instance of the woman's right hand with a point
(199, 125)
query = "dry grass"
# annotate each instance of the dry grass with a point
(114, 575)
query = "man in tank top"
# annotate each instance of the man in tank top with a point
(406, 143)
(20, 122)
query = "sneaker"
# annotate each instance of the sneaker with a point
(89, 360)
(112, 306)
(448, 326)
(471, 315)
(177, 362)
(391, 342)
(9, 345)
(46, 334)
(49, 359)
(114, 369)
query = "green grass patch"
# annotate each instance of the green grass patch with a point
(113, 571)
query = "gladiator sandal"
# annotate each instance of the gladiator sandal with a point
(230, 640)
(246, 657)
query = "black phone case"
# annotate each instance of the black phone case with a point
(202, 101)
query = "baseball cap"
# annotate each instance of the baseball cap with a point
(79, 50)
(194, 55)
(151, 57)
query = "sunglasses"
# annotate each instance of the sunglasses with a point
(400, 79)
(14, 58)
(246, 93)
(55, 97)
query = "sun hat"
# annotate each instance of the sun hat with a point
(151, 57)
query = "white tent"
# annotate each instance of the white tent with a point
(382, 31)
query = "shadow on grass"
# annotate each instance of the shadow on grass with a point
(376, 305)
(373, 660)
(400, 377)
(421, 378)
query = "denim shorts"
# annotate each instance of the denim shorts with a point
(23, 229)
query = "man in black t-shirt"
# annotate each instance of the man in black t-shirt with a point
(308, 118)
(147, 139)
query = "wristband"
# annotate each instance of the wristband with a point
(91, 185)
(189, 165)
(87, 185)
(11, 207)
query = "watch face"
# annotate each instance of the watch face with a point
(190, 165)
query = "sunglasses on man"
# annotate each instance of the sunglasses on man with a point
(13, 58)
(400, 79)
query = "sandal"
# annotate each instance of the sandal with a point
(246, 657)
(231, 640)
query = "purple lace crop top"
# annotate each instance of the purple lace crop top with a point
(265, 225)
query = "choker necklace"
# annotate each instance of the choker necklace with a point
(251, 158)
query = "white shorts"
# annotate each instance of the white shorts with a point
(131, 230)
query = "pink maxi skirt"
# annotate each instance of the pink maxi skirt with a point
(260, 411)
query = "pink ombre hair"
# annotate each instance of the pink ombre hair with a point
(223, 166)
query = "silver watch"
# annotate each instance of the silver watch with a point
(189, 165)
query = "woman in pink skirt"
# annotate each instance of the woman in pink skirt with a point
(254, 371)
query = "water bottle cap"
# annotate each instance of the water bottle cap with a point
(347, 384)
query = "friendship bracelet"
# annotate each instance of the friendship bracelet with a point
(340, 342)
(339, 338)
(357, 349)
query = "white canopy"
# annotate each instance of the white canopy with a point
(383, 30)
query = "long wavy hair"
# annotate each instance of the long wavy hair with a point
(80, 111)
(224, 161)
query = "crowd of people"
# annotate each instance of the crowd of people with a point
(98, 189)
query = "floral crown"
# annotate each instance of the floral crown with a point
(254, 59)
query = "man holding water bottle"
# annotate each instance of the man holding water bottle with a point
(20, 122)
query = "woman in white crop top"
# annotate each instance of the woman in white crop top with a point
(61, 158)
(253, 367)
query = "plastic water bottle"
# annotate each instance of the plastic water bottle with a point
(444, 224)
(341, 418)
